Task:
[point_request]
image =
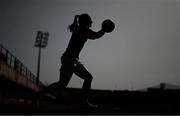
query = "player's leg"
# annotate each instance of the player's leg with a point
(82, 72)
(66, 72)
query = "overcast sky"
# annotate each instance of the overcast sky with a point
(142, 51)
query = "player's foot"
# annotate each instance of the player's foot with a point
(90, 105)
(39, 97)
(51, 96)
(47, 94)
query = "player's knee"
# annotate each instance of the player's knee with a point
(90, 78)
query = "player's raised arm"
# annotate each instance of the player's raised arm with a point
(107, 26)
(95, 35)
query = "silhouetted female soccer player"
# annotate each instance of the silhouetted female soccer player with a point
(81, 32)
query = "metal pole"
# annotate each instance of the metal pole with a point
(38, 67)
(41, 42)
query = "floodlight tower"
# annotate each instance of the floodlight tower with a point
(41, 42)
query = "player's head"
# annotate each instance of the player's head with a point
(85, 20)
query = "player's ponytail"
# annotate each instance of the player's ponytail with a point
(74, 25)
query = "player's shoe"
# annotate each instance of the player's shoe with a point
(90, 105)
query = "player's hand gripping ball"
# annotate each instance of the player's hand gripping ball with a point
(108, 25)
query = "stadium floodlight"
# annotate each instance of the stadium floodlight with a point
(41, 42)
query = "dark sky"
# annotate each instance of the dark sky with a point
(142, 51)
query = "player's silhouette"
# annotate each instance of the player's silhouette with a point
(81, 32)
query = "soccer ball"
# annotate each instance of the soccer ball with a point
(108, 25)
